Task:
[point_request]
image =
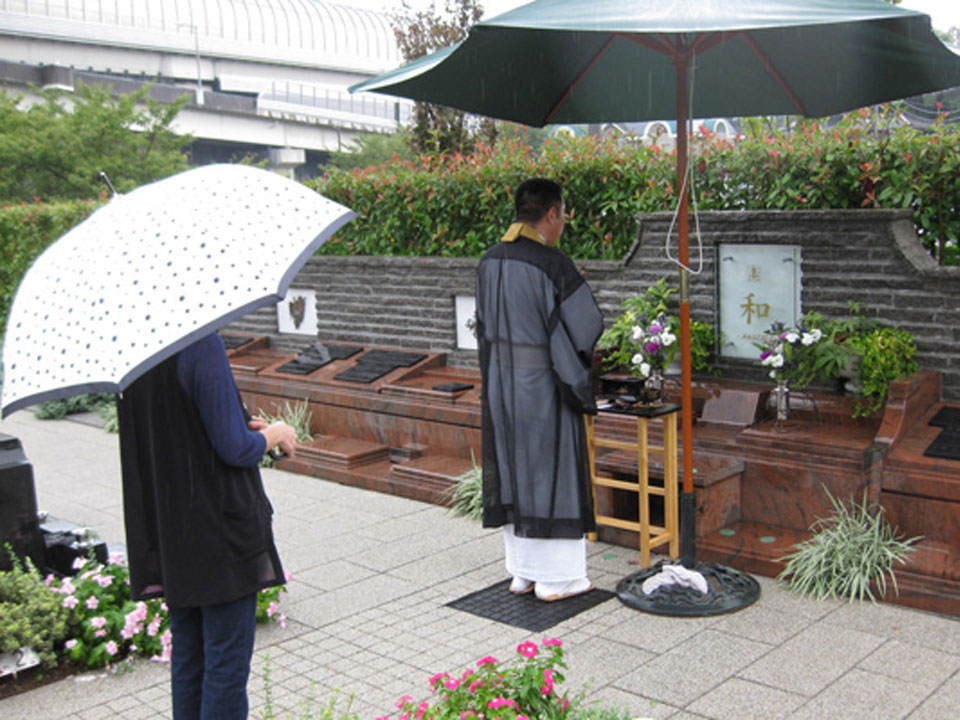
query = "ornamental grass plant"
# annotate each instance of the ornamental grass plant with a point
(466, 496)
(851, 553)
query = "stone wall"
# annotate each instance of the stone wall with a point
(872, 257)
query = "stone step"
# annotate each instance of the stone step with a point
(340, 452)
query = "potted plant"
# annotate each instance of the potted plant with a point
(643, 339)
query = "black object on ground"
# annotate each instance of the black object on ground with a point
(364, 372)
(316, 356)
(452, 387)
(946, 445)
(947, 417)
(232, 342)
(377, 363)
(525, 611)
(728, 590)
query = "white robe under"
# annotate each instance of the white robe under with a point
(541, 560)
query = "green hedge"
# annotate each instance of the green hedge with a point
(25, 231)
(458, 205)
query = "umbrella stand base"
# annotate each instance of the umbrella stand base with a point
(729, 591)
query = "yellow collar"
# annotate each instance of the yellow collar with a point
(519, 229)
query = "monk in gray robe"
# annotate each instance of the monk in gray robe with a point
(537, 324)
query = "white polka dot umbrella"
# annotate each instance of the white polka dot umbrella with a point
(154, 270)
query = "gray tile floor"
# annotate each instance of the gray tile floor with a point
(371, 575)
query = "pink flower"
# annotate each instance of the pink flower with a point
(563, 703)
(100, 633)
(70, 644)
(553, 641)
(488, 660)
(111, 648)
(92, 602)
(528, 649)
(67, 587)
(98, 622)
(422, 708)
(451, 684)
(78, 562)
(547, 681)
(103, 580)
(404, 700)
(522, 717)
(272, 609)
(475, 685)
(70, 601)
(438, 677)
(466, 674)
(500, 702)
(287, 576)
(48, 579)
(154, 627)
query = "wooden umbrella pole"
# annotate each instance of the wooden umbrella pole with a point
(687, 501)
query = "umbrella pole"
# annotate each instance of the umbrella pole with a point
(688, 508)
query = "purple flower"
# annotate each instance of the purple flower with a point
(653, 347)
(765, 354)
(655, 328)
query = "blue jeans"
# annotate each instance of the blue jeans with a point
(210, 661)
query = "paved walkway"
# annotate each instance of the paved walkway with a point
(371, 575)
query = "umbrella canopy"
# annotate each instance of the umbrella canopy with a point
(569, 61)
(154, 270)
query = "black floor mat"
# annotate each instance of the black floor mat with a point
(947, 445)
(947, 417)
(525, 611)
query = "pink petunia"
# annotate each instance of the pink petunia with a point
(111, 648)
(403, 701)
(451, 684)
(553, 641)
(488, 660)
(422, 708)
(500, 702)
(475, 685)
(528, 649)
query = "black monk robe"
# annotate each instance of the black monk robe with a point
(198, 530)
(537, 324)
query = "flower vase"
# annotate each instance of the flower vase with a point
(653, 387)
(781, 396)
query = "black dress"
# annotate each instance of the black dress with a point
(198, 530)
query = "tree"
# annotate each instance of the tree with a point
(437, 128)
(55, 149)
(370, 149)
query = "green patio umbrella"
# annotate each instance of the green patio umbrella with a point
(570, 61)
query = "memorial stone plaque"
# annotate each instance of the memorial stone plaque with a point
(759, 285)
(297, 313)
(466, 310)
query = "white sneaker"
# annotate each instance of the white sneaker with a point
(520, 586)
(548, 592)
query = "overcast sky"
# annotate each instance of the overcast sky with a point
(944, 13)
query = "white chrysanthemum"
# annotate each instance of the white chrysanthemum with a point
(636, 333)
(637, 359)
